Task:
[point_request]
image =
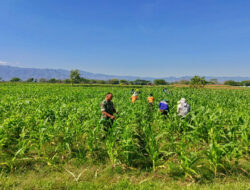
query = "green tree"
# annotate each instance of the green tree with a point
(232, 83)
(245, 83)
(30, 80)
(67, 81)
(198, 82)
(101, 82)
(213, 81)
(15, 79)
(42, 80)
(92, 81)
(123, 82)
(52, 80)
(160, 82)
(141, 82)
(113, 81)
(75, 76)
(131, 82)
(84, 80)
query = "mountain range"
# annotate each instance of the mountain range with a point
(7, 72)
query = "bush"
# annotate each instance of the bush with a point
(113, 81)
(53, 80)
(30, 80)
(15, 79)
(232, 83)
(160, 82)
(198, 82)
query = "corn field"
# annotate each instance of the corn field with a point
(54, 124)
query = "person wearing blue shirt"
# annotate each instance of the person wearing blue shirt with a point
(163, 106)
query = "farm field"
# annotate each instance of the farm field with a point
(51, 138)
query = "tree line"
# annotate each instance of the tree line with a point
(82, 80)
(75, 78)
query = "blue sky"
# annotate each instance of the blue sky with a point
(155, 38)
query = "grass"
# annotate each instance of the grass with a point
(88, 176)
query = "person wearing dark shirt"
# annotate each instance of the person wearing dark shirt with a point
(108, 110)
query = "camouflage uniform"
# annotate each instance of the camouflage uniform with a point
(107, 106)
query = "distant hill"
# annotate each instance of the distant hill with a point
(8, 72)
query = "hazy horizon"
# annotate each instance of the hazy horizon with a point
(167, 76)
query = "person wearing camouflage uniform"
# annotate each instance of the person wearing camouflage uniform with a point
(108, 110)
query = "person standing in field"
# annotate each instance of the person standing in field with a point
(163, 107)
(134, 97)
(183, 107)
(151, 99)
(108, 111)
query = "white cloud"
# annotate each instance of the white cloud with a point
(3, 62)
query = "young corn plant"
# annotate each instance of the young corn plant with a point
(188, 160)
(152, 146)
(215, 153)
(111, 140)
(129, 146)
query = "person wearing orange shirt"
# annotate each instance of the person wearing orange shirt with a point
(151, 99)
(134, 97)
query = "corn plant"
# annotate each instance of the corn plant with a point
(59, 123)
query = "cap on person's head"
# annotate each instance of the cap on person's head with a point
(150, 94)
(183, 100)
